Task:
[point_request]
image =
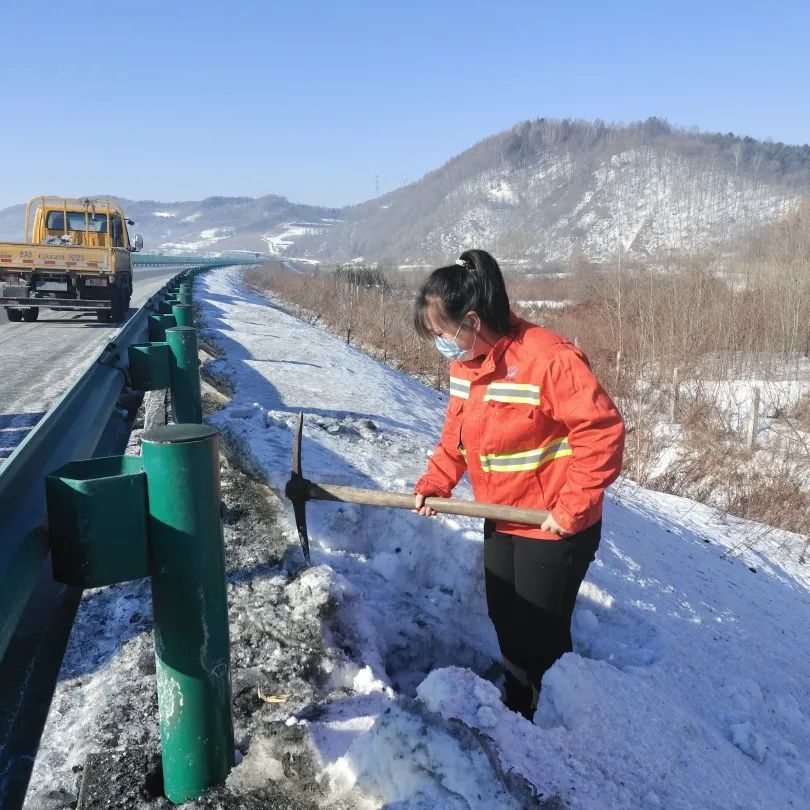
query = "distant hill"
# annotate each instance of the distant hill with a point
(544, 190)
(539, 192)
(212, 225)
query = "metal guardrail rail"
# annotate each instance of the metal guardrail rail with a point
(36, 613)
(161, 259)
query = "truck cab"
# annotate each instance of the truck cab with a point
(81, 228)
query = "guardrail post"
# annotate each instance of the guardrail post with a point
(190, 607)
(183, 314)
(158, 324)
(185, 374)
(149, 366)
(165, 306)
(121, 518)
(97, 517)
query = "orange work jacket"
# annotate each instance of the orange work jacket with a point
(531, 427)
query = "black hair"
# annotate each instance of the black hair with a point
(473, 284)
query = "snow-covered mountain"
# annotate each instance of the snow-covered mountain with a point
(541, 191)
(545, 190)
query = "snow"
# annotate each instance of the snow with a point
(164, 214)
(208, 237)
(500, 191)
(216, 233)
(734, 398)
(546, 304)
(688, 684)
(781, 441)
(279, 242)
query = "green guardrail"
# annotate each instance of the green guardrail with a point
(158, 259)
(116, 518)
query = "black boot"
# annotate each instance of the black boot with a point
(519, 697)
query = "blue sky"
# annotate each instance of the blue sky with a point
(312, 100)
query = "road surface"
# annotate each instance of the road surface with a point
(39, 361)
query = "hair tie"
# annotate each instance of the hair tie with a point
(463, 263)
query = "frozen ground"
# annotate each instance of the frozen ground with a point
(688, 685)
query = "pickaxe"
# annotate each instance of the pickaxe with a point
(299, 490)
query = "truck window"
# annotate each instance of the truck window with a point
(96, 223)
(116, 231)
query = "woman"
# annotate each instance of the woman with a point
(531, 426)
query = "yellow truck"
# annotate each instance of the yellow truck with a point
(75, 255)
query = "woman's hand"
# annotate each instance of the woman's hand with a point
(420, 508)
(551, 525)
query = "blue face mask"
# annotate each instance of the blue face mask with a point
(449, 348)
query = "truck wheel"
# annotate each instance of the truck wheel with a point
(30, 314)
(103, 315)
(117, 308)
(14, 315)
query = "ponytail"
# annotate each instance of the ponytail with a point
(473, 284)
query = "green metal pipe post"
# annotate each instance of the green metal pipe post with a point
(183, 314)
(184, 372)
(189, 600)
(184, 297)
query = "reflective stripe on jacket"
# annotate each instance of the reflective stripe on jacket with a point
(532, 427)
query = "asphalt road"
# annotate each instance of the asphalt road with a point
(39, 361)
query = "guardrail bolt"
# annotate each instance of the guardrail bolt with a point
(190, 607)
(185, 374)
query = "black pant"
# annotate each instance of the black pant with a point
(531, 589)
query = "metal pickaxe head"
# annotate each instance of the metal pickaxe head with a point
(297, 489)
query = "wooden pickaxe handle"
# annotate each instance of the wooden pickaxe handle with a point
(299, 490)
(448, 506)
